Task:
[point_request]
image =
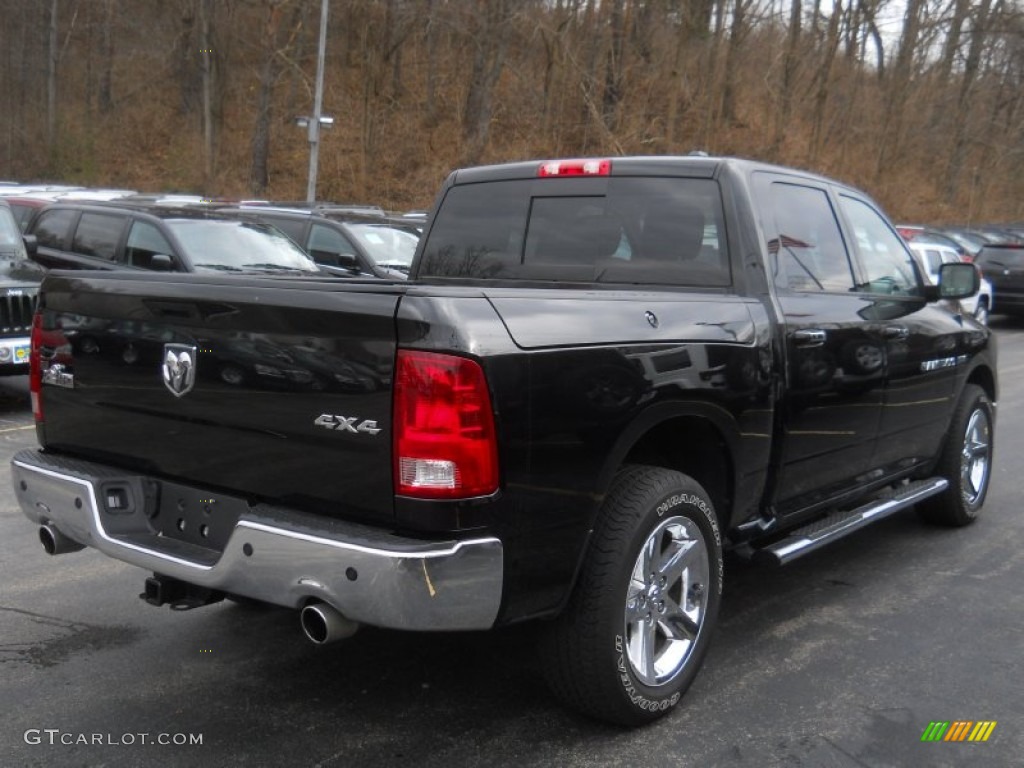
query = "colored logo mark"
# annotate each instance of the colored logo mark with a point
(958, 730)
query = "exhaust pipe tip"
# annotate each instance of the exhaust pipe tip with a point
(55, 542)
(322, 624)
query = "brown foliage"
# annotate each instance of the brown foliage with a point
(418, 87)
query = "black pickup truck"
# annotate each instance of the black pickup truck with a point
(599, 376)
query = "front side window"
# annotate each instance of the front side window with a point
(887, 264)
(327, 245)
(144, 242)
(633, 230)
(52, 227)
(805, 245)
(98, 235)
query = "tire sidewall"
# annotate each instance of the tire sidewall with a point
(687, 499)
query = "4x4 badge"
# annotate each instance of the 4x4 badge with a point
(179, 368)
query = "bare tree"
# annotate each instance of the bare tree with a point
(614, 65)
(737, 32)
(51, 81)
(958, 151)
(490, 30)
(789, 66)
(259, 174)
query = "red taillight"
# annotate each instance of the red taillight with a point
(444, 441)
(575, 168)
(35, 374)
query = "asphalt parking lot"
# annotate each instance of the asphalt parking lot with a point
(840, 659)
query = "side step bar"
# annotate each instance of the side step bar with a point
(821, 532)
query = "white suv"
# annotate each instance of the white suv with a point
(931, 257)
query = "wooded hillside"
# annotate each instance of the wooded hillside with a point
(200, 95)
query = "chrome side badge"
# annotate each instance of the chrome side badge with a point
(179, 368)
(347, 424)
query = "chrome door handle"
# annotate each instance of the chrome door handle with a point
(809, 337)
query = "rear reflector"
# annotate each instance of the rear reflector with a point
(575, 168)
(444, 439)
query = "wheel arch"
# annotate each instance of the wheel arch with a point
(706, 454)
(983, 376)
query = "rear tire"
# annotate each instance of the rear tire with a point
(966, 462)
(640, 618)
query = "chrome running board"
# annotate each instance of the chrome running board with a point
(835, 526)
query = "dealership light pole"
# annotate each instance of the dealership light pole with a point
(317, 120)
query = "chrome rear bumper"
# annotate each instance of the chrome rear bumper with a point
(279, 555)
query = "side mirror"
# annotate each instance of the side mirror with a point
(161, 262)
(31, 244)
(348, 261)
(958, 281)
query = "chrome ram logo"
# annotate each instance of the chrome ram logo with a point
(179, 368)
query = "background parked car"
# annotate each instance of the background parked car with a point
(1003, 266)
(932, 256)
(340, 239)
(971, 239)
(24, 207)
(19, 284)
(122, 235)
(920, 234)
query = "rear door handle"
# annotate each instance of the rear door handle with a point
(896, 332)
(809, 337)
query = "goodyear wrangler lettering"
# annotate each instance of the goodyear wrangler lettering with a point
(683, 498)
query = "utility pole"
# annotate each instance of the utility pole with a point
(314, 122)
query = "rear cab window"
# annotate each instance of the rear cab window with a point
(632, 230)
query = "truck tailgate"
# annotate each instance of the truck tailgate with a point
(269, 388)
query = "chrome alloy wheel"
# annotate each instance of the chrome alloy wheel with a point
(974, 458)
(666, 600)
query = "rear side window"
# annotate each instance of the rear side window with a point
(98, 235)
(52, 227)
(294, 228)
(617, 230)
(804, 241)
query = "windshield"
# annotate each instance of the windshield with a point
(388, 246)
(228, 245)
